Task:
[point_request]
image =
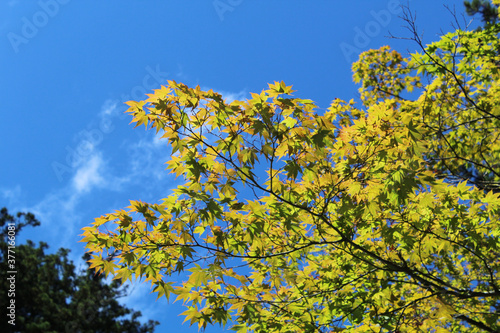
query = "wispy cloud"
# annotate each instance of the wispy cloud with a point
(147, 157)
(141, 166)
(57, 212)
(229, 96)
(234, 96)
(11, 195)
(138, 296)
(89, 175)
(109, 108)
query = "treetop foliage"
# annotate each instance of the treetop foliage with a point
(488, 11)
(51, 295)
(378, 216)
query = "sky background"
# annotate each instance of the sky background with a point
(66, 67)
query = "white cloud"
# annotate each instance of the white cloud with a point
(61, 210)
(59, 218)
(147, 157)
(109, 108)
(88, 175)
(113, 109)
(11, 195)
(230, 96)
(142, 163)
(140, 296)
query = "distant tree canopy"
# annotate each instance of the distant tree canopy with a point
(487, 10)
(381, 215)
(51, 296)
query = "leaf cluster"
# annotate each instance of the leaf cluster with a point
(379, 217)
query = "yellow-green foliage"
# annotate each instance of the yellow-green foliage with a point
(382, 217)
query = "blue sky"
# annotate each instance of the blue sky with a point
(66, 67)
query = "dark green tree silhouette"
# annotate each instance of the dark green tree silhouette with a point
(488, 11)
(51, 296)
